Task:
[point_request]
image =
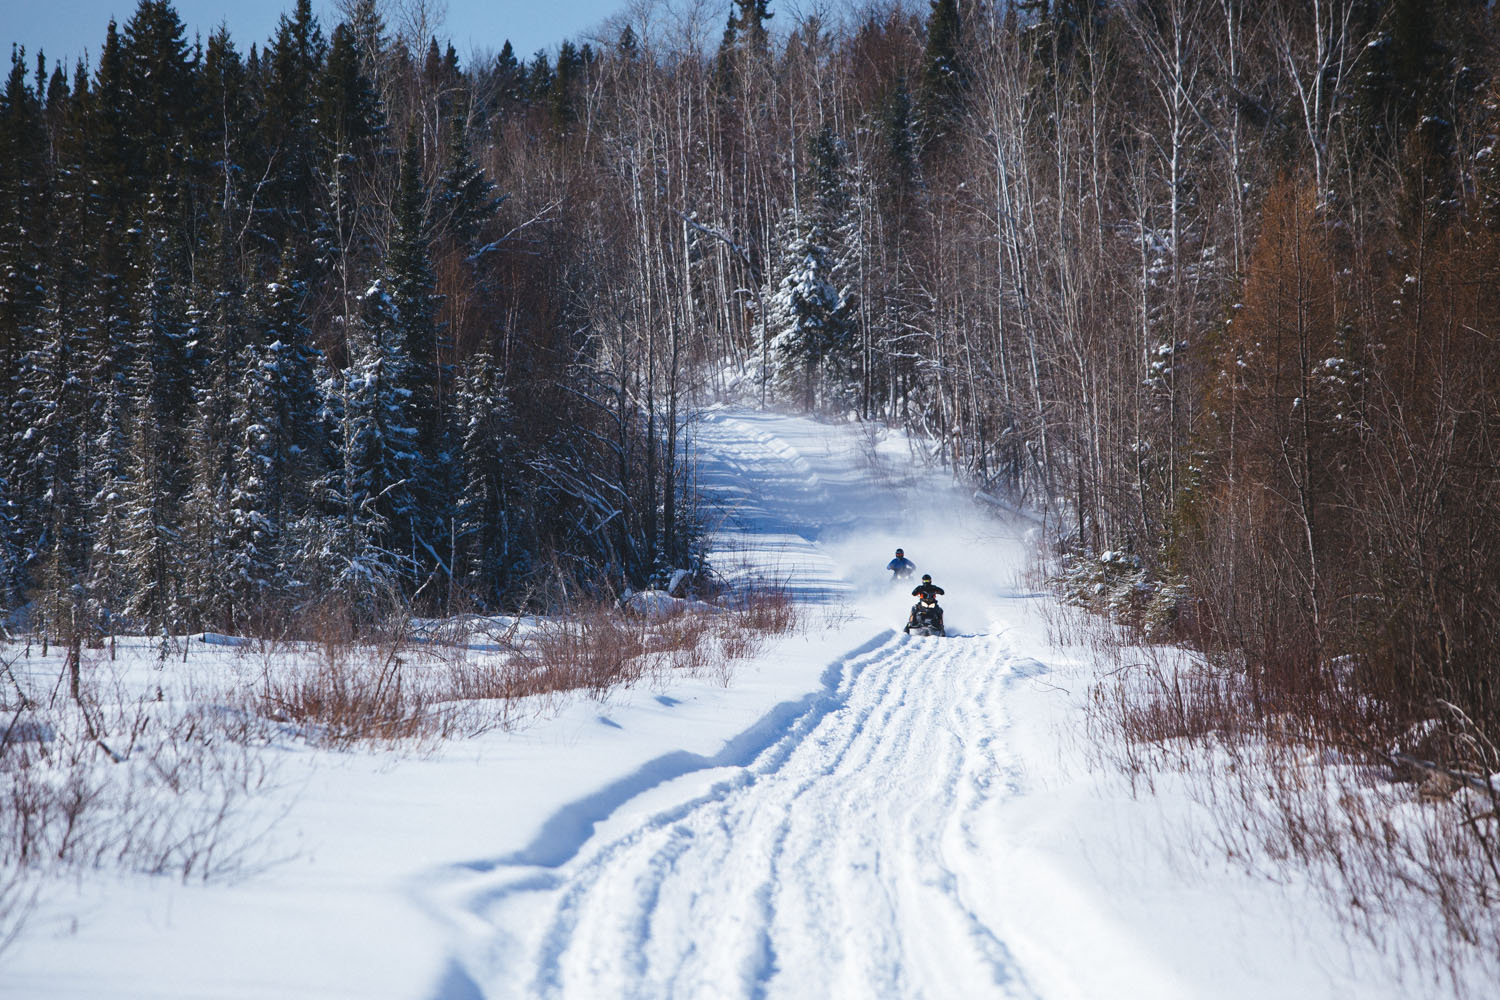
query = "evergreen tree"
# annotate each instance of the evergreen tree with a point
(748, 23)
(1421, 75)
(746, 43)
(10, 555)
(368, 30)
(23, 186)
(539, 78)
(562, 98)
(900, 176)
(350, 119)
(49, 408)
(154, 486)
(227, 127)
(293, 65)
(252, 529)
(107, 425)
(107, 221)
(510, 86)
(225, 150)
(442, 78)
(465, 198)
(22, 296)
(361, 545)
(830, 190)
(487, 511)
(160, 89)
(412, 297)
(291, 361)
(216, 447)
(352, 129)
(628, 46)
(809, 314)
(112, 145)
(944, 75)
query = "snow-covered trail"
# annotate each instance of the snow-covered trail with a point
(845, 860)
(852, 854)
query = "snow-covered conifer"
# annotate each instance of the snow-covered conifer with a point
(488, 510)
(155, 473)
(408, 312)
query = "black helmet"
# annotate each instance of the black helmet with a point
(926, 578)
(899, 552)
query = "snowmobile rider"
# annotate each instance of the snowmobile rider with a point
(900, 567)
(927, 590)
(926, 616)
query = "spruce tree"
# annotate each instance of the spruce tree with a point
(487, 511)
(465, 199)
(748, 22)
(48, 415)
(293, 64)
(539, 78)
(566, 82)
(155, 475)
(112, 147)
(292, 361)
(253, 525)
(351, 134)
(23, 294)
(161, 92)
(216, 450)
(808, 321)
(350, 119)
(944, 75)
(510, 81)
(368, 30)
(361, 544)
(226, 128)
(422, 378)
(746, 43)
(23, 186)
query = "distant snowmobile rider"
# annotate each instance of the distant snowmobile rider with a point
(927, 590)
(900, 567)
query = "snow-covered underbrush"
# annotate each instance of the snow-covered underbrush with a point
(102, 769)
(1404, 853)
(154, 760)
(1116, 585)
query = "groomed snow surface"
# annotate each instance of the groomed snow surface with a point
(859, 813)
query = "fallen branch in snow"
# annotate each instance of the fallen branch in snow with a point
(1400, 761)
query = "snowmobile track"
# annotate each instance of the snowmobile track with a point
(838, 863)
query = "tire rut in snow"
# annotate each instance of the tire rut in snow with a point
(837, 864)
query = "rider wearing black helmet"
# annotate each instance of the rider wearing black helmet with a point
(927, 590)
(926, 616)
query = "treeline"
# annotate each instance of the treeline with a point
(1211, 281)
(275, 345)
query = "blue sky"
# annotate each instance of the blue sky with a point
(65, 28)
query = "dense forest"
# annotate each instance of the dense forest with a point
(337, 320)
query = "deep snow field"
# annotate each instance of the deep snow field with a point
(858, 813)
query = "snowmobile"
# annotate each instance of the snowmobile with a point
(926, 619)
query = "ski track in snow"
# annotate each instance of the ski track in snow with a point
(833, 850)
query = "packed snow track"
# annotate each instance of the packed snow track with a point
(849, 853)
(843, 862)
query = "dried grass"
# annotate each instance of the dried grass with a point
(160, 786)
(1294, 793)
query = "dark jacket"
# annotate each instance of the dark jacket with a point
(901, 566)
(927, 591)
